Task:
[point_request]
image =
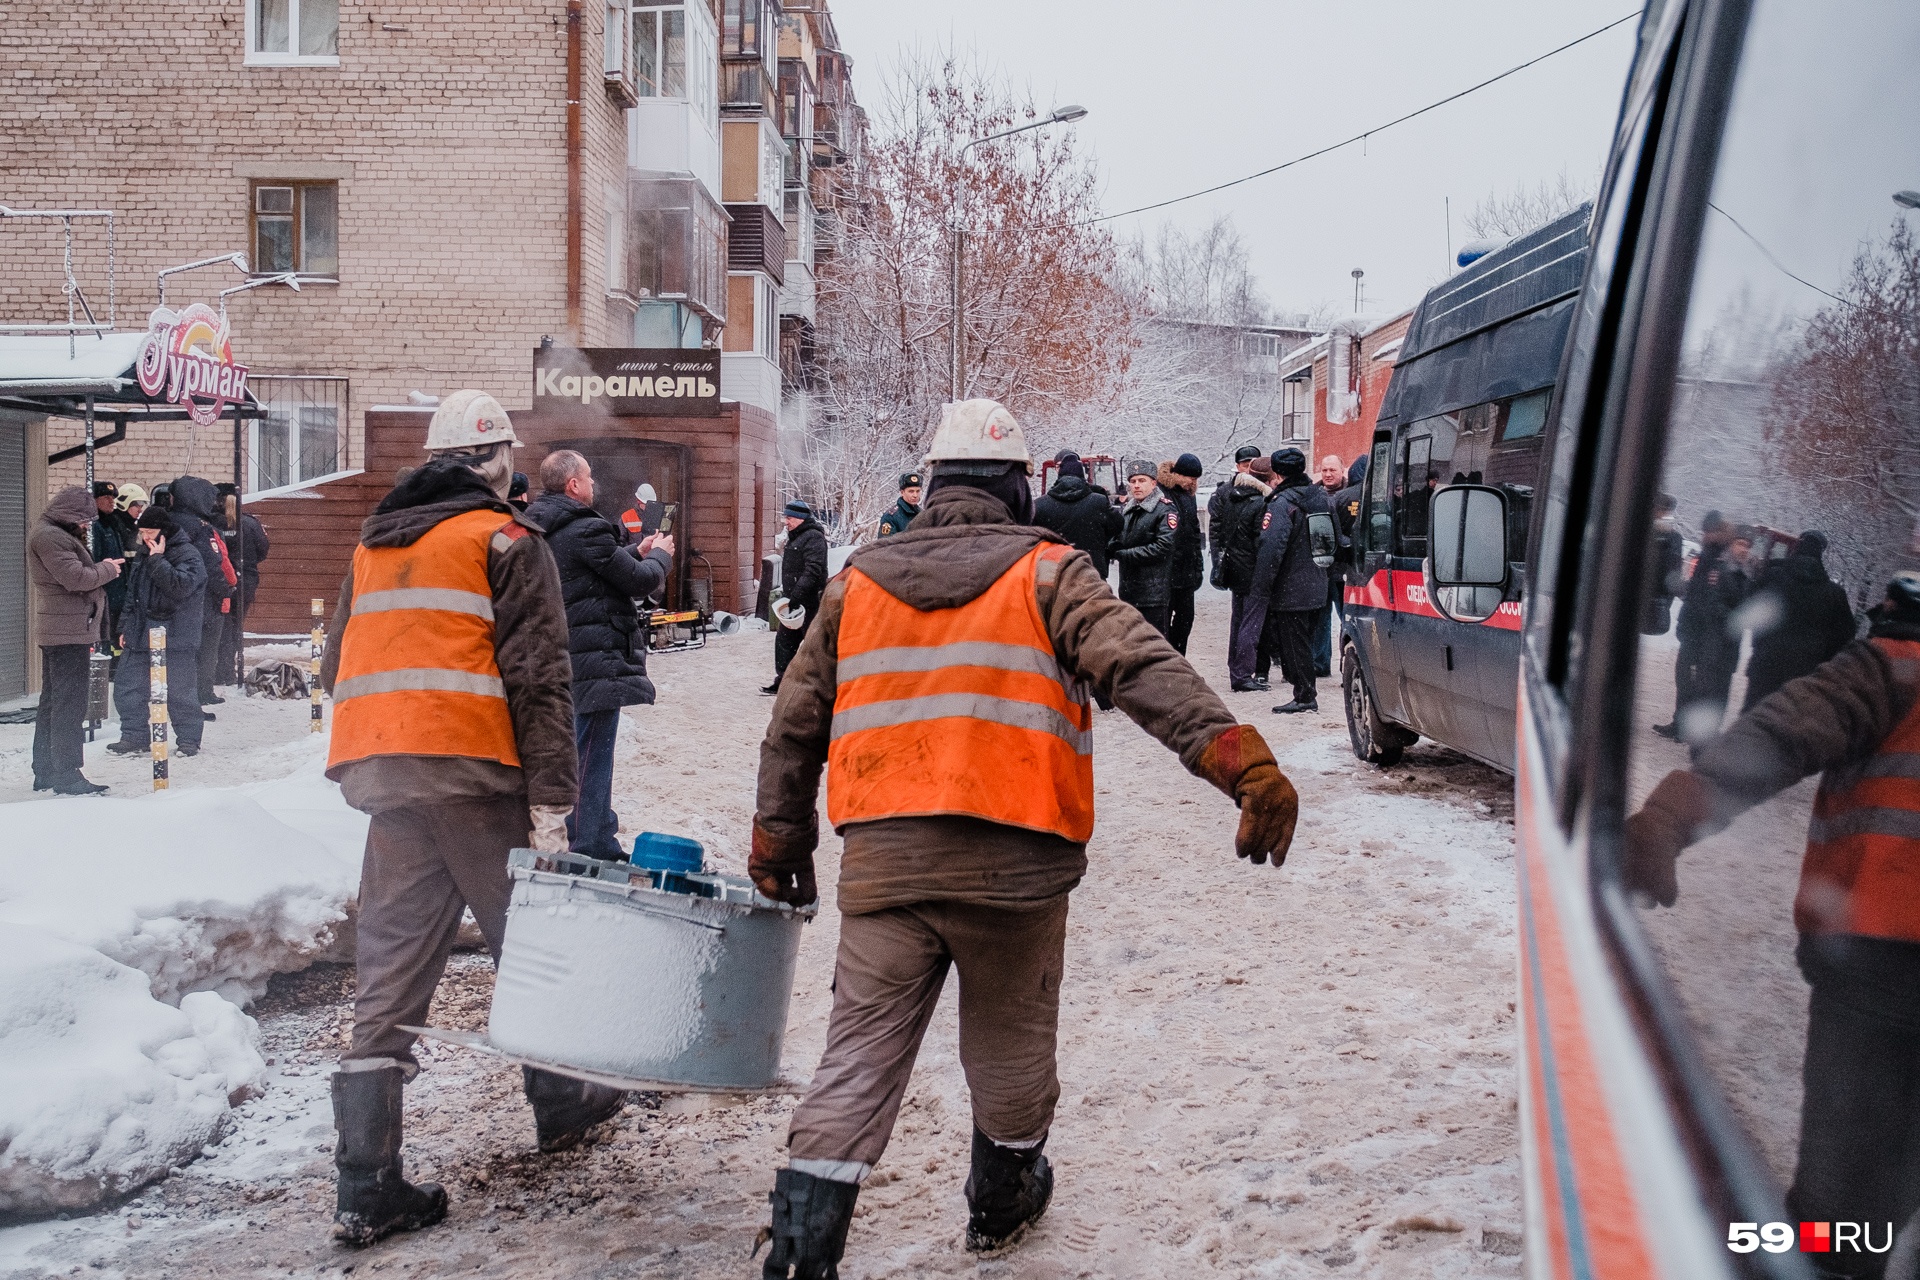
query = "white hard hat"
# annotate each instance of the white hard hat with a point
(467, 420)
(978, 431)
(788, 614)
(645, 493)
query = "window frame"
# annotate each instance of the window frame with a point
(342, 401)
(255, 57)
(299, 187)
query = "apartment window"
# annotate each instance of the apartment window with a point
(293, 32)
(617, 54)
(744, 30)
(660, 52)
(303, 436)
(296, 227)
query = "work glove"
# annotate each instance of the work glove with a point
(1671, 819)
(1239, 763)
(783, 869)
(549, 833)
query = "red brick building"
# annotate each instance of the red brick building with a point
(1333, 386)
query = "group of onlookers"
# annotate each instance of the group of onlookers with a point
(1797, 615)
(108, 566)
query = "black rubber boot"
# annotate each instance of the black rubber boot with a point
(374, 1201)
(1006, 1190)
(810, 1220)
(565, 1108)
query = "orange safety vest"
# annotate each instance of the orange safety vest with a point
(630, 520)
(960, 711)
(1861, 874)
(417, 674)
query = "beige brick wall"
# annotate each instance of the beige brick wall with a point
(448, 138)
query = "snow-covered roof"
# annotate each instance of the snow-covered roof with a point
(55, 364)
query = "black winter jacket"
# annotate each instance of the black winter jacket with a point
(194, 500)
(1236, 535)
(1802, 619)
(803, 567)
(1145, 552)
(599, 581)
(1713, 593)
(1189, 540)
(166, 588)
(114, 535)
(1081, 515)
(1285, 577)
(252, 548)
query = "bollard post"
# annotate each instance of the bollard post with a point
(157, 703)
(313, 674)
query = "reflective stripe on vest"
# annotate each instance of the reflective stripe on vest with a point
(960, 711)
(1861, 874)
(418, 675)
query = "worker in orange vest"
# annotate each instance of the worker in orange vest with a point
(633, 518)
(453, 728)
(947, 679)
(1856, 721)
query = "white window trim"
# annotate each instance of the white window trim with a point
(253, 59)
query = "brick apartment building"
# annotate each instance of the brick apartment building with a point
(419, 171)
(1331, 388)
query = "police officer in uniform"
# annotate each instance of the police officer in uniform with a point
(901, 514)
(944, 680)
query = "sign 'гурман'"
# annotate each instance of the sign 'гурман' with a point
(657, 382)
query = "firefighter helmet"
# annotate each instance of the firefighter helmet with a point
(469, 420)
(978, 436)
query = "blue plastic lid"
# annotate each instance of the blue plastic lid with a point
(658, 852)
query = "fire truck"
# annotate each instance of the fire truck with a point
(1727, 1085)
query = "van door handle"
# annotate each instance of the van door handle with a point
(1449, 649)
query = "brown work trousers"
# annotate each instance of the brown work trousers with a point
(886, 983)
(423, 865)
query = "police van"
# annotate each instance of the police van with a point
(1467, 405)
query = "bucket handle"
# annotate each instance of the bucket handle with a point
(644, 909)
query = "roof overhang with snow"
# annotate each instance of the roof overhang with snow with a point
(54, 375)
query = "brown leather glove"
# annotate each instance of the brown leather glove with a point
(1672, 818)
(782, 869)
(1240, 764)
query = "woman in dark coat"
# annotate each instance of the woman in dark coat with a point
(599, 581)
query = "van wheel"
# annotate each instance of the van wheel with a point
(1375, 740)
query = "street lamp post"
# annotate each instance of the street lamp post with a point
(1059, 115)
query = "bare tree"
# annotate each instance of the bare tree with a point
(1048, 332)
(1520, 210)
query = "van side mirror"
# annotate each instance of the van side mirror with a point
(1467, 560)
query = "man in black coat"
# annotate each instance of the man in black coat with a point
(1288, 584)
(1801, 619)
(1666, 554)
(1144, 546)
(112, 537)
(1708, 653)
(1179, 481)
(1079, 513)
(166, 586)
(600, 578)
(803, 580)
(193, 501)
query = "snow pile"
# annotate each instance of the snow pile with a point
(102, 1087)
(200, 890)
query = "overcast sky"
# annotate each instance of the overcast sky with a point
(1184, 96)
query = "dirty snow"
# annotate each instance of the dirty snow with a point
(1303, 1071)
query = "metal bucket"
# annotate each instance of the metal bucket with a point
(618, 975)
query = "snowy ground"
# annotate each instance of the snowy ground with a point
(1295, 1072)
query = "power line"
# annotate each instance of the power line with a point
(1362, 137)
(1778, 265)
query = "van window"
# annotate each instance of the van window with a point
(1772, 769)
(1413, 486)
(1524, 417)
(1379, 498)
